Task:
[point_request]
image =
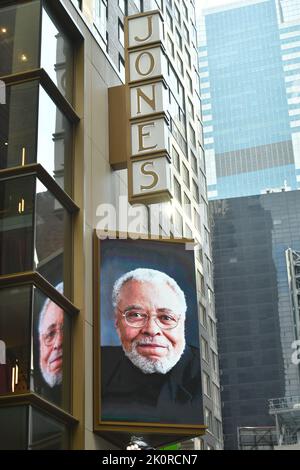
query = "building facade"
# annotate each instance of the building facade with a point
(249, 80)
(249, 68)
(58, 61)
(253, 241)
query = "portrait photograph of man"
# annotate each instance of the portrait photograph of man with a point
(150, 360)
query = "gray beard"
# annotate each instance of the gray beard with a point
(52, 379)
(152, 366)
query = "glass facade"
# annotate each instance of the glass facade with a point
(26, 428)
(57, 54)
(34, 130)
(36, 211)
(38, 351)
(19, 38)
(35, 230)
(253, 305)
(250, 96)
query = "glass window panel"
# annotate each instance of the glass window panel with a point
(51, 350)
(196, 191)
(187, 206)
(18, 120)
(177, 190)
(54, 141)
(122, 67)
(178, 225)
(57, 55)
(208, 419)
(186, 175)
(176, 159)
(15, 325)
(100, 14)
(121, 4)
(19, 38)
(53, 238)
(52, 253)
(194, 163)
(203, 316)
(13, 436)
(46, 432)
(27, 108)
(121, 33)
(16, 224)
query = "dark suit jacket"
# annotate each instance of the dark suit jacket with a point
(127, 394)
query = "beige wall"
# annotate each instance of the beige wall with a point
(95, 184)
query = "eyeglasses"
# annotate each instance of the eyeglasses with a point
(139, 318)
(50, 336)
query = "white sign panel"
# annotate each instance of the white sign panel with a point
(148, 99)
(151, 175)
(146, 64)
(148, 160)
(145, 30)
(149, 137)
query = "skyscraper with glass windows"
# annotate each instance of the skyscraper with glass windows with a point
(249, 62)
(59, 59)
(250, 87)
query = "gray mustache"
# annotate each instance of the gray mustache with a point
(150, 340)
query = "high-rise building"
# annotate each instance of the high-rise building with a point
(58, 61)
(249, 67)
(253, 241)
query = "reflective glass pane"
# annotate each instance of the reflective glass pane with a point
(18, 123)
(46, 433)
(19, 38)
(53, 239)
(51, 350)
(57, 55)
(33, 129)
(13, 436)
(54, 141)
(15, 314)
(16, 224)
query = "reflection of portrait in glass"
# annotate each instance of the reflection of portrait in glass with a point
(51, 322)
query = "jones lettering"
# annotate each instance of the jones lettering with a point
(150, 31)
(151, 173)
(144, 69)
(143, 134)
(151, 101)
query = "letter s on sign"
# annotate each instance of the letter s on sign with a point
(149, 173)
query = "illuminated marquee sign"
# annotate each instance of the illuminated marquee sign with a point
(147, 93)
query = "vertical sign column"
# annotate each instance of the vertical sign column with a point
(149, 169)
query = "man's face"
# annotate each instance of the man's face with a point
(150, 347)
(51, 344)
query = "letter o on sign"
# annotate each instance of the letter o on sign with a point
(146, 68)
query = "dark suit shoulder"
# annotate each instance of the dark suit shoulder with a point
(111, 357)
(112, 352)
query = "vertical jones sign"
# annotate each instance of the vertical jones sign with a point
(149, 169)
